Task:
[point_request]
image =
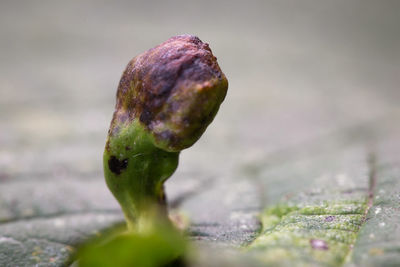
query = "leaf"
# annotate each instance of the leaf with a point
(378, 243)
(52, 240)
(163, 246)
(42, 222)
(317, 228)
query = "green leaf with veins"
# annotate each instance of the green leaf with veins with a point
(322, 232)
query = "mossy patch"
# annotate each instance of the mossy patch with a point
(320, 232)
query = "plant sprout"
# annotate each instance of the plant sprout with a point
(166, 98)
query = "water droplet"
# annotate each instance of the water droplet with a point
(378, 210)
(319, 244)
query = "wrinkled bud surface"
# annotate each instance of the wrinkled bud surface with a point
(174, 90)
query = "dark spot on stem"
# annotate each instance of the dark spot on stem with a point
(116, 165)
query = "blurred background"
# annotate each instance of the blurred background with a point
(309, 63)
(297, 71)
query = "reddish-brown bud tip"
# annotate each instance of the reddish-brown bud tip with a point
(174, 90)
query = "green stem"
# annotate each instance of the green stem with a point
(135, 171)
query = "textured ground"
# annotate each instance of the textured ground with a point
(311, 119)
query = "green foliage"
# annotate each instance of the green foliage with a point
(164, 246)
(320, 233)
